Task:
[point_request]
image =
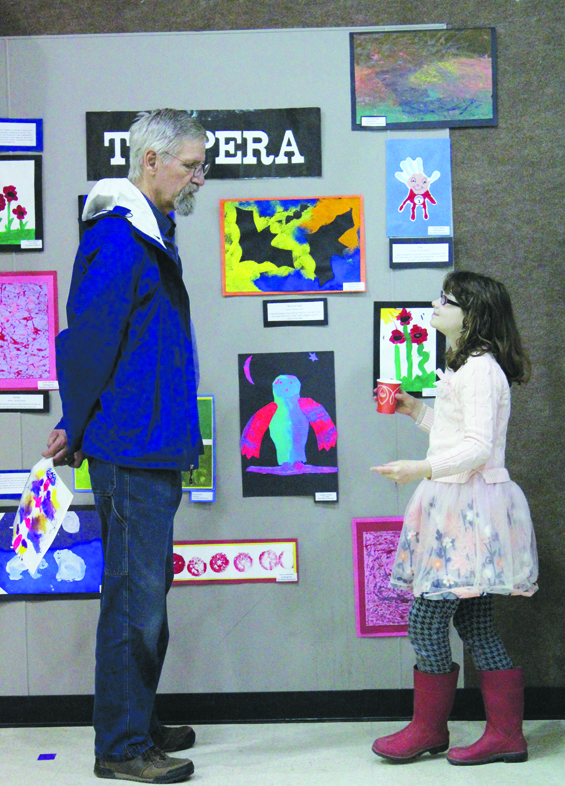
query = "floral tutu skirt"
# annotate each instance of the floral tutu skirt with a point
(460, 540)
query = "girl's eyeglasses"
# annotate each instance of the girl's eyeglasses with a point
(443, 300)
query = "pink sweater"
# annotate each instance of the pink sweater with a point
(468, 426)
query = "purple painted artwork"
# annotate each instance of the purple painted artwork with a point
(380, 609)
(28, 326)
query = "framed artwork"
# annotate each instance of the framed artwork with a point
(407, 347)
(19, 134)
(235, 561)
(21, 206)
(29, 318)
(287, 416)
(380, 610)
(202, 483)
(423, 79)
(283, 246)
(418, 188)
(72, 567)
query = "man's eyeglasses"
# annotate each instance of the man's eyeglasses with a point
(443, 300)
(196, 170)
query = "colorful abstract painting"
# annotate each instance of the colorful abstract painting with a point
(28, 326)
(283, 246)
(43, 506)
(21, 209)
(418, 187)
(407, 347)
(423, 79)
(235, 561)
(71, 566)
(380, 610)
(288, 439)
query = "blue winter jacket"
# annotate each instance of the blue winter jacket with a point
(125, 363)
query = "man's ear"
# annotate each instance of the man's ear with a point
(150, 161)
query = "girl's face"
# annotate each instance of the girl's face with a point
(448, 319)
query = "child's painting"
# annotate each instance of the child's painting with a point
(201, 482)
(28, 316)
(284, 246)
(43, 505)
(235, 561)
(407, 347)
(21, 209)
(418, 187)
(423, 79)
(380, 610)
(288, 425)
(72, 565)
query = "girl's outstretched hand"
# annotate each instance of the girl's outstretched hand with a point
(404, 471)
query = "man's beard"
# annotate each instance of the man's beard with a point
(185, 202)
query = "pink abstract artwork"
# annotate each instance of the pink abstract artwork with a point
(28, 326)
(380, 609)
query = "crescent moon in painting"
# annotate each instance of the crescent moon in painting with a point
(246, 370)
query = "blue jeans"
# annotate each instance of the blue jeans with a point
(137, 509)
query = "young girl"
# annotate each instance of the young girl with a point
(467, 529)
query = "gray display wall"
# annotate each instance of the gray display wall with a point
(245, 637)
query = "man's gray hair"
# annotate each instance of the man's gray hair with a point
(162, 130)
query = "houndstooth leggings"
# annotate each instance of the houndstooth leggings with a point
(428, 628)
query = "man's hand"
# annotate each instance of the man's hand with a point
(404, 472)
(57, 449)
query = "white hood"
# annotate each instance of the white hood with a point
(114, 192)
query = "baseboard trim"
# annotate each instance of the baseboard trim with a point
(276, 707)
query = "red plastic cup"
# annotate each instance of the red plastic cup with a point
(386, 395)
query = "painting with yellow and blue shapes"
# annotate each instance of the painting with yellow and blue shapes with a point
(292, 246)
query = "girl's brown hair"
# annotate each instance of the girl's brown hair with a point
(488, 325)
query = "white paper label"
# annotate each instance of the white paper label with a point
(21, 401)
(439, 230)
(429, 392)
(287, 576)
(412, 253)
(353, 286)
(17, 134)
(47, 384)
(375, 122)
(202, 496)
(326, 496)
(13, 482)
(31, 244)
(299, 312)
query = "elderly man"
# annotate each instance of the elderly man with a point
(127, 377)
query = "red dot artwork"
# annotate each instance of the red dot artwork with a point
(178, 563)
(243, 562)
(219, 562)
(196, 566)
(269, 560)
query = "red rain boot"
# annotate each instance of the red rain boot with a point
(427, 732)
(503, 695)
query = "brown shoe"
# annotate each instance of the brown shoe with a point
(152, 766)
(174, 738)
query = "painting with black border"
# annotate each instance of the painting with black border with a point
(288, 428)
(71, 568)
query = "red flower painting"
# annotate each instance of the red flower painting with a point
(10, 193)
(2, 202)
(405, 317)
(418, 334)
(20, 212)
(397, 337)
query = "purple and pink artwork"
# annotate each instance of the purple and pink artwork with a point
(28, 326)
(380, 610)
(235, 561)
